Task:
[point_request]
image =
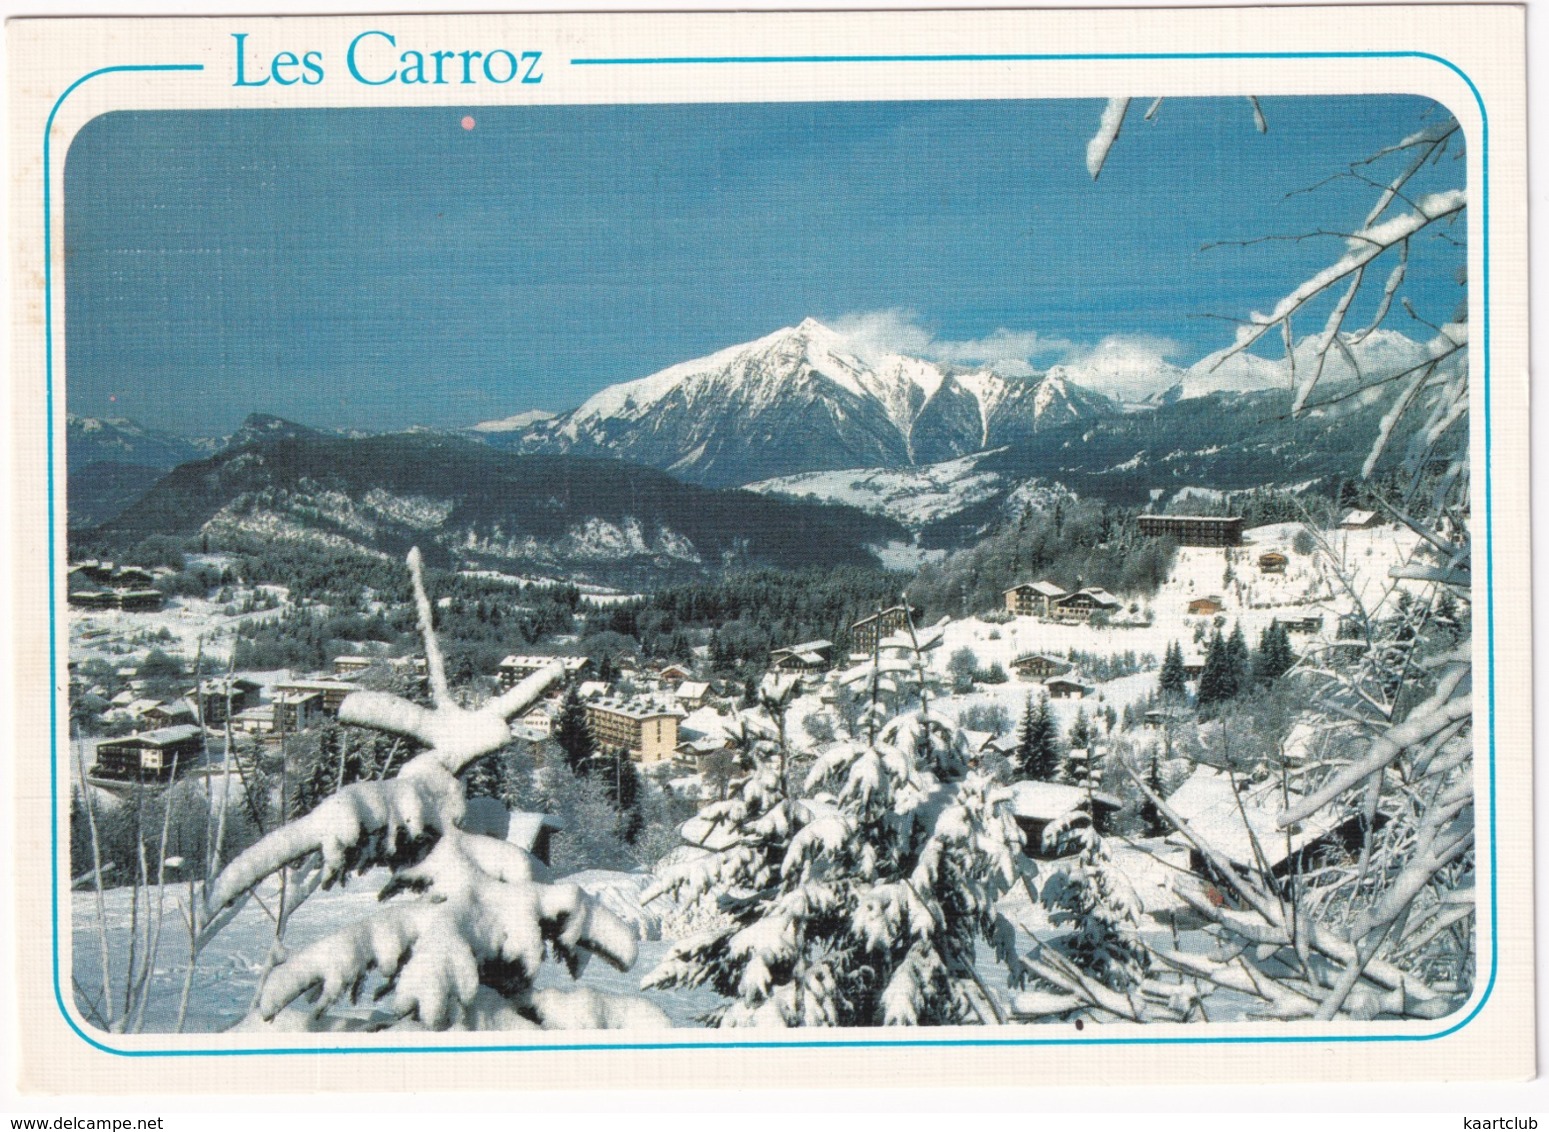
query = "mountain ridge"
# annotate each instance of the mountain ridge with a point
(805, 399)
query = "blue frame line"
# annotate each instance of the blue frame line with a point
(839, 1043)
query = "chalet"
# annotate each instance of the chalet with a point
(1273, 562)
(297, 710)
(1205, 607)
(175, 714)
(648, 731)
(130, 577)
(514, 669)
(212, 696)
(1038, 666)
(139, 601)
(1301, 624)
(1158, 719)
(1194, 530)
(137, 708)
(540, 720)
(533, 832)
(257, 720)
(674, 673)
(1193, 665)
(1060, 688)
(866, 633)
(698, 753)
(353, 665)
(1360, 521)
(529, 831)
(94, 599)
(1037, 805)
(1237, 819)
(692, 693)
(591, 690)
(1032, 599)
(151, 756)
(334, 692)
(1083, 605)
(1004, 745)
(807, 657)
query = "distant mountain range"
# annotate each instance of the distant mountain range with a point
(468, 505)
(932, 452)
(804, 399)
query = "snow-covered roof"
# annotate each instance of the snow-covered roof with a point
(316, 686)
(1045, 801)
(806, 647)
(163, 737)
(1042, 589)
(1029, 657)
(526, 828)
(637, 708)
(571, 664)
(1360, 518)
(589, 688)
(220, 685)
(1101, 596)
(1223, 816)
(692, 690)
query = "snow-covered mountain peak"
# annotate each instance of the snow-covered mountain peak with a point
(806, 398)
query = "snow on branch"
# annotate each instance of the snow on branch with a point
(1107, 133)
(464, 925)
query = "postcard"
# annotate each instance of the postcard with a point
(739, 549)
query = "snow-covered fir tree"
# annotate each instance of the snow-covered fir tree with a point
(855, 897)
(1093, 900)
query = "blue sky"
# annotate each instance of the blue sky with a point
(382, 268)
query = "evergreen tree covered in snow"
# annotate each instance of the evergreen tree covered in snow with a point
(855, 898)
(463, 924)
(1092, 898)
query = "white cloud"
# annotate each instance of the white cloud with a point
(898, 330)
(1127, 367)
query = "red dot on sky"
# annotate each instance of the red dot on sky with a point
(468, 122)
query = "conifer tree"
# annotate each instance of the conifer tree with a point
(1150, 816)
(1217, 683)
(459, 931)
(1275, 656)
(854, 905)
(1241, 662)
(573, 734)
(1173, 682)
(1038, 746)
